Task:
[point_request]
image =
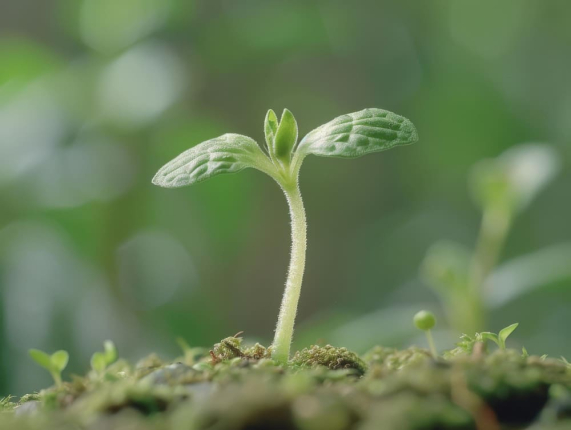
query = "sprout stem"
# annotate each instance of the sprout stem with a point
(288, 310)
(431, 343)
(493, 232)
(57, 378)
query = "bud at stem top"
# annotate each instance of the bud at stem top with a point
(424, 320)
(286, 137)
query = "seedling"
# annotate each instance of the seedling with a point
(55, 363)
(348, 136)
(100, 360)
(500, 338)
(502, 187)
(425, 321)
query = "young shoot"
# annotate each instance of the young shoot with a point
(500, 338)
(348, 136)
(100, 360)
(55, 363)
(425, 321)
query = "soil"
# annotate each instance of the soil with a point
(237, 387)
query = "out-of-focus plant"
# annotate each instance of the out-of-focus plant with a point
(55, 363)
(502, 187)
(100, 360)
(467, 343)
(425, 321)
(500, 338)
(348, 136)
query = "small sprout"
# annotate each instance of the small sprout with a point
(486, 335)
(425, 321)
(504, 334)
(347, 136)
(500, 338)
(524, 352)
(55, 363)
(100, 360)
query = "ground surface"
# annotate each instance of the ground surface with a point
(323, 388)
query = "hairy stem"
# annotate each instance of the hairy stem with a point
(288, 310)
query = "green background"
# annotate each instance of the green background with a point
(96, 95)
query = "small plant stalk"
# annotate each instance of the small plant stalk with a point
(57, 379)
(493, 232)
(431, 344)
(284, 330)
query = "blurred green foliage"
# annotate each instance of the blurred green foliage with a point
(95, 95)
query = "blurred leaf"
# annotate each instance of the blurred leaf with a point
(490, 336)
(445, 267)
(526, 273)
(359, 133)
(59, 359)
(228, 153)
(98, 362)
(514, 178)
(41, 358)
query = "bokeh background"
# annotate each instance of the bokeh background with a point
(96, 95)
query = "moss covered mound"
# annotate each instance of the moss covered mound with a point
(239, 387)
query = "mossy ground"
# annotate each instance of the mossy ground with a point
(323, 388)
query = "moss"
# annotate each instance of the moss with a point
(232, 348)
(6, 404)
(323, 388)
(329, 356)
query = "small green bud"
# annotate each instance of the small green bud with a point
(270, 128)
(286, 137)
(424, 320)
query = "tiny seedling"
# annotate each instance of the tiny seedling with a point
(502, 187)
(500, 338)
(425, 321)
(55, 363)
(348, 136)
(100, 360)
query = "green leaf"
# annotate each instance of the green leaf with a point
(228, 153)
(59, 360)
(270, 128)
(41, 358)
(513, 179)
(286, 136)
(527, 273)
(359, 133)
(110, 352)
(504, 334)
(490, 336)
(98, 362)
